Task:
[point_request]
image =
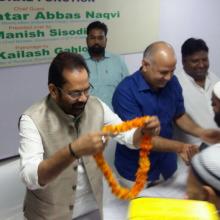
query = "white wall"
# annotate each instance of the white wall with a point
(21, 86)
(11, 190)
(180, 20)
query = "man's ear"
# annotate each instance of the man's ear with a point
(145, 65)
(53, 91)
(210, 194)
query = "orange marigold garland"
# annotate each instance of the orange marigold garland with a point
(144, 163)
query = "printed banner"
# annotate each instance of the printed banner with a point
(34, 31)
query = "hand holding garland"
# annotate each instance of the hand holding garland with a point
(147, 126)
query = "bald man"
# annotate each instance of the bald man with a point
(154, 90)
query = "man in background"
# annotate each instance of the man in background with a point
(154, 90)
(197, 83)
(106, 69)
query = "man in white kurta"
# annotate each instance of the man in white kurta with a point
(197, 83)
(197, 102)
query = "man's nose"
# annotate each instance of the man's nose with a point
(83, 97)
(168, 76)
(201, 64)
(96, 40)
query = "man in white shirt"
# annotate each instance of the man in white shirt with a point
(59, 135)
(197, 83)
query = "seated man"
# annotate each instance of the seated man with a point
(204, 177)
(154, 90)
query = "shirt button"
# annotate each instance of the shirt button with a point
(74, 188)
(71, 207)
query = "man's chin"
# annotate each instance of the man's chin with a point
(200, 75)
(96, 50)
(162, 85)
(78, 111)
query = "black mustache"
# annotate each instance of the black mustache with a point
(79, 105)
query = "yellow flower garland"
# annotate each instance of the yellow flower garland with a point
(144, 163)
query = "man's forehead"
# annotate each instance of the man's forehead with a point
(97, 32)
(198, 54)
(164, 62)
(75, 73)
(76, 70)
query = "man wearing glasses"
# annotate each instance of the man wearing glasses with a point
(107, 69)
(58, 137)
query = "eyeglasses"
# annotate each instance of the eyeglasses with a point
(78, 94)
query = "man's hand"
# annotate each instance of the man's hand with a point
(187, 152)
(211, 136)
(90, 144)
(151, 127)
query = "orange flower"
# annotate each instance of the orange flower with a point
(144, 163)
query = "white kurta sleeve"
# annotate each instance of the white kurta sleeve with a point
(31, 152)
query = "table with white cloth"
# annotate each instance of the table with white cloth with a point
(172, 188)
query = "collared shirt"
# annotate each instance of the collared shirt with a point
(31, 151)
(197, 101)
(105, 75)
(134, 98)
